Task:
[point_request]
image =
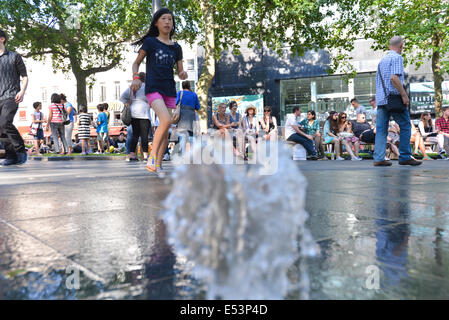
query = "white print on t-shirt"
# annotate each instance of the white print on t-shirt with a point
(165, 58)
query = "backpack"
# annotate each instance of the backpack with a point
(65, 116)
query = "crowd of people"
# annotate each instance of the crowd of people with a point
(350, 136)
(152, 98)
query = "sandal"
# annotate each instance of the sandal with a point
(151, 164)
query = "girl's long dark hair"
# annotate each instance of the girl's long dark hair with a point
(154, 31)
(333, 123)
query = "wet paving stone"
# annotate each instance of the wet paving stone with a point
(102, 217)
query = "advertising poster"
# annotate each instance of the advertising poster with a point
(242, 102)
(422, 96)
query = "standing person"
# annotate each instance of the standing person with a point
(391, 68)
(11, 94)
(442, 126)
(294, 134)
(38, 120)
(189, 106)
(84, 123)
(55, 124)
(140, 119)
(69, 127)
(102, 128)
(160, 87)
(373, 112)
(108, 116)
(311, 126)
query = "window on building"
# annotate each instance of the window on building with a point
(90, 95)
(365, 87)
(103, 92)
(44, 95)
(117, 90)
(190, 64)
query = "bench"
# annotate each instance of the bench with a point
(298, 151)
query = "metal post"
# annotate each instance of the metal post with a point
(156, 5)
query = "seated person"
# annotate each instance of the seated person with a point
(418, 140)
(311, 126)
(363, 130)
(120, 143)
(393, 139)
(442, 126)
(294, 134)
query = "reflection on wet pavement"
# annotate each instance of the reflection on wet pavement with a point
(101, 218)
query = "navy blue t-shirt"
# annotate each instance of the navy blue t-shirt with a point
(161, 59)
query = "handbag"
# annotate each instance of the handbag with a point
(125, 116)
(65, 116)
(394, 101)
(177, 113)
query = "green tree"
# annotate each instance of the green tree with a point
(295, 25)
(85, 37)
(424, 24)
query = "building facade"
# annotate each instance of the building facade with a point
(107, 87)
(286, 82)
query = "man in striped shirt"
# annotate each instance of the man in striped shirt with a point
(11, 69)
(391, 71)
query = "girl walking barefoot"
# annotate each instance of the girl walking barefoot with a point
(160, 88)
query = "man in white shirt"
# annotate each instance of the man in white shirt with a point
(294, 134)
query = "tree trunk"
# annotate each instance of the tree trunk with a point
(81, 95)
(437, 77)
(208, 72)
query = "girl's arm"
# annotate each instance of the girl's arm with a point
(214, 119)
(275, 123)
(181, 73)
(50, 115)
(136, 84)
(34, 119)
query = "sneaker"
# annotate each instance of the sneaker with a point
(166, 157)
(387, 159)
(339, 159)
(22, 158)
(356, 159)
(160, 172)
(443, 155)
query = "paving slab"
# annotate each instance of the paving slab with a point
(102, 218)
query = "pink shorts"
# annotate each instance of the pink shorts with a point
(170, 102)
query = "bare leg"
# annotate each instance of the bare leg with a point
(357, 148)
(336, 147)
(348, 148)
(161, 134)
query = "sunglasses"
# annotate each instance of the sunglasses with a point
(267, 111)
